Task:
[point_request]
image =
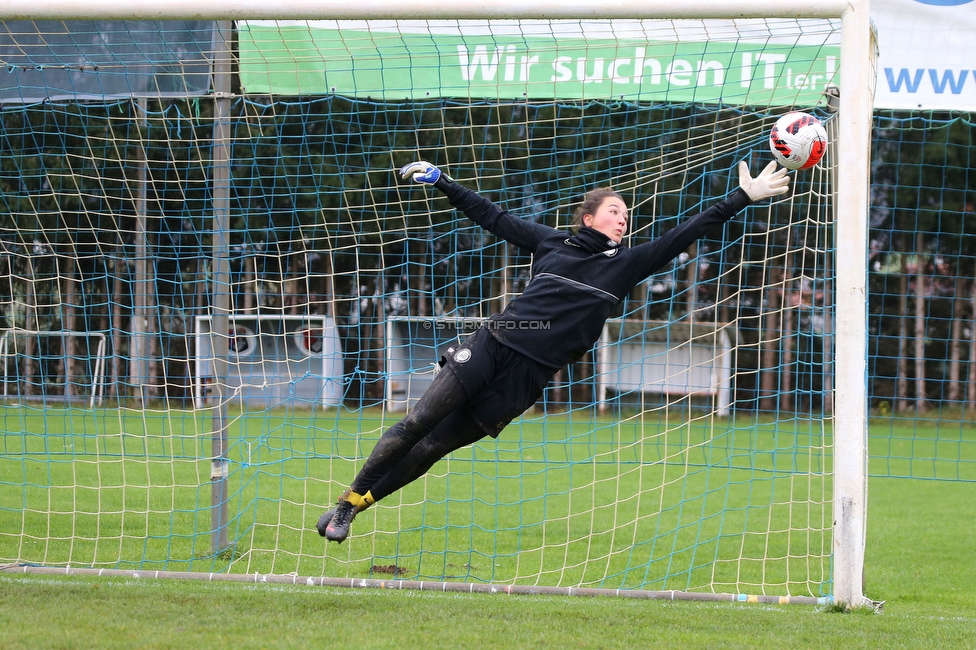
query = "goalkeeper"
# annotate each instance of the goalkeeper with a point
(500, 370)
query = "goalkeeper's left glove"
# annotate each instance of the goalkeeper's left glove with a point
(770, 182)
(422, 172)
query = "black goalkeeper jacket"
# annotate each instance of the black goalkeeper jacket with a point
(577, 280)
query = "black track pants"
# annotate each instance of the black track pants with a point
(436, 426)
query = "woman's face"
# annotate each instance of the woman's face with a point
(610, 218)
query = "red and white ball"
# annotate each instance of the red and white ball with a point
(798, 140)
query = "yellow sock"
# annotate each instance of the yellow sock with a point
(359, 500)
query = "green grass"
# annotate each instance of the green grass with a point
(920, 560)
(690, 504)
(687, 504)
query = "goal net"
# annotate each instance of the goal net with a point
(221, 201)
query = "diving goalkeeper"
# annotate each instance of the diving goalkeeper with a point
(500, 370)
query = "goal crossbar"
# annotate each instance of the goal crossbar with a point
(433, 9)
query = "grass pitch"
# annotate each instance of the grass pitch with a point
(685, 503)
(720, 506)
(920, 560)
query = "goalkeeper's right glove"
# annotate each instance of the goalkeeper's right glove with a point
(422, 172)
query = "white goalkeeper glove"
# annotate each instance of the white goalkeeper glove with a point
(422, 172)
(770, 182)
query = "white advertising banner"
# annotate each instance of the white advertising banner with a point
(927, 54)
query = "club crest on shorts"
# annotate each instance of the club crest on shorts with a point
(462, 355)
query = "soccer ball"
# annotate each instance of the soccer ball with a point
(798, 141)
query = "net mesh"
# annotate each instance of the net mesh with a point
(690, 450)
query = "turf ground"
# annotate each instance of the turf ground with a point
(569, 500)
(920, 557)
(920, 560)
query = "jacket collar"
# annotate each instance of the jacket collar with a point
(592, 240)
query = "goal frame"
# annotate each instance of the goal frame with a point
(96, 387)
(857, 70)
(204, 338)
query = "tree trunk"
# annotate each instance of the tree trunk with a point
(155, 363)
(769, 344)
(971, 384)
(31, 339)
(378, 342)
(723, 295)
(643, 292)
(691, 284)
(11, 323)
(67, 357)
(500, 301)
(104, 320)
(118, 287)
(901, 381)
(786, 360)
(920, 291)
(584, 382)
(829, 340)
(296, 273)
(200, 301)
(559, 388)
(330, 289)
(250, 284)
(421, 274)
(955, 345)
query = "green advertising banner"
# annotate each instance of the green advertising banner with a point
(302, 59)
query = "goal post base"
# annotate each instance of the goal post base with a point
(424, 585)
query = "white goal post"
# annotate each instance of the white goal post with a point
(96, 387)
(857, 73)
